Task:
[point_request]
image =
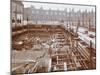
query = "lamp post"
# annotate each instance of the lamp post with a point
(50, 44)
(16, 16)
(27, 25)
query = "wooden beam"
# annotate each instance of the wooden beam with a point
(20, 66)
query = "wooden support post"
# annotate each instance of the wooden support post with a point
(55, 68)
(57, 59)
(91, 66)
(65, 66)
(50, 63)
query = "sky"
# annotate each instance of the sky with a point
(46, 6)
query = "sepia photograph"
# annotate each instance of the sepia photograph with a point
(52, 37)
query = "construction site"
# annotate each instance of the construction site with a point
(42, 48)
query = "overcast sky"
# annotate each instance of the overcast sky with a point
(58, 6)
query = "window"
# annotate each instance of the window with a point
(33, 12)
(64, 14)
(37, 12)
(55, 13)
(51, 13)
(60, 13)
(47, 13)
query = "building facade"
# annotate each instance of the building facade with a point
(72, 17)
(17, 12)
